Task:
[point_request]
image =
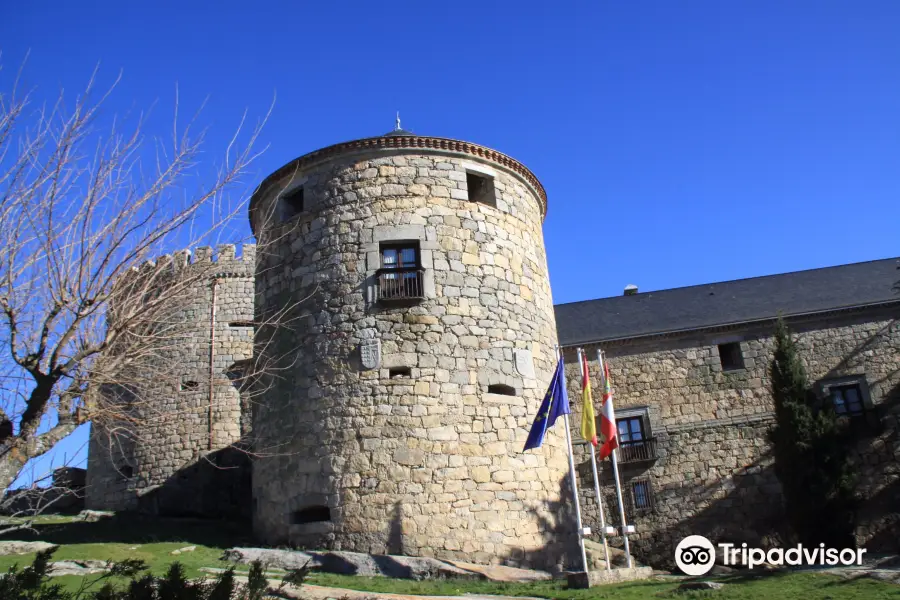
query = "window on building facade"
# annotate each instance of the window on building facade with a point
(847, 400)
(189, 386)
(641, 495)
(400, 276)
(481, 189)
(731, 357)
(636, 443)
(631, 430)
(292, 204)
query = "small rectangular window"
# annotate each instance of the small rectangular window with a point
(189, 386)
(399, 372)
(641, 495)
(292, 204)
(481, 189)
(731, 357)
(847, 400)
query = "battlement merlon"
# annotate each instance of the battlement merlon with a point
(222, 263)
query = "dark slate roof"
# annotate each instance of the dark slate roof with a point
(728, 302)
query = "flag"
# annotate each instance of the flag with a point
(556, 403)
(607, 418)
(588, 422)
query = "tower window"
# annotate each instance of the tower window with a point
(292, 204)
(400, 275)
(399, 372)
(502, 389)
(311, 514)
(481, 189)
(731, 357)
(189, 386)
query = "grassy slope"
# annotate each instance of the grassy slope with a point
(154, 540)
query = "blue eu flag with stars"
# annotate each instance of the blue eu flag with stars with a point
(556, 403)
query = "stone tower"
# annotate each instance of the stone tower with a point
(188, 409)
(417, 356)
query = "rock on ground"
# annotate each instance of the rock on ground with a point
(13, 547)
(373, 565)
(77, 567)
(701, 585)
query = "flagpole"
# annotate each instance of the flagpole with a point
(597, 489)
(615, 468)
(584, 560)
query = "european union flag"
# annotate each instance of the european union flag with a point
(556, 403)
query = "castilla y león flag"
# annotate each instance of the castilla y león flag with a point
(607, 418)
(588, 422)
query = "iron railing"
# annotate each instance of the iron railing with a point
(637, 451)
(401, 284)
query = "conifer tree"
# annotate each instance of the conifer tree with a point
(810, 453)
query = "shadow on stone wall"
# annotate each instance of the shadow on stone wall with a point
(557, 525)
(877, 463)
(217, 486)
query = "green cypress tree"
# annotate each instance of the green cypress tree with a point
(810, 452)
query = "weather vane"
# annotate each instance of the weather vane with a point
(397, 126)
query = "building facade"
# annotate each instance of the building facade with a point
(398, 316)
(690, 370)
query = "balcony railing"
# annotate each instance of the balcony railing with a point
(400, 284)
(637, 451)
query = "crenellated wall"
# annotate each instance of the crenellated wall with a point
(184, 396)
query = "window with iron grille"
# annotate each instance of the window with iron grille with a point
(400, 275)
(641, 496)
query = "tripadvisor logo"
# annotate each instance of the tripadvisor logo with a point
(695, 555)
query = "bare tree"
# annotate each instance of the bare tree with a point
(83, 208)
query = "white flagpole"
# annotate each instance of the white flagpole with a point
(584, 561)
(597, 486)
(615, 468)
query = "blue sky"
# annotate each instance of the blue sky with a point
(679, 142)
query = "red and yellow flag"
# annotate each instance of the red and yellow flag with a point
(588, 422)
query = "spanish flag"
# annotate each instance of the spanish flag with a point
(588, 422)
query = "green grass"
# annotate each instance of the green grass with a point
(153, 540)
(773, 586)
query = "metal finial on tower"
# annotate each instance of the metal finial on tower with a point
(397, 125)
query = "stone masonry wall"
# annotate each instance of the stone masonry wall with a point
(713, 473)
(150, 465)
(426, 462)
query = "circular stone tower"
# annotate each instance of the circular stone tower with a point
(418, 349)
(181, 394)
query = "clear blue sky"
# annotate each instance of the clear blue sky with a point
(679, 142)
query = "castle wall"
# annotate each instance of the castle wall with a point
(150, 464)
(713, 473)
(426, 462)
